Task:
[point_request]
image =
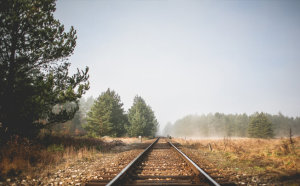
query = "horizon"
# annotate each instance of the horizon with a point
(190, 57)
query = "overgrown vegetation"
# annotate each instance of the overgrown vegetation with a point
(220, 125)
(20, 155)
(251, 156)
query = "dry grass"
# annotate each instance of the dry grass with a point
(126, 140)
(263, 154)
(20, 155)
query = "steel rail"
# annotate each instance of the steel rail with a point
(122, 173)
(195, 165)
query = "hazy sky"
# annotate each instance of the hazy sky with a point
(190, 56)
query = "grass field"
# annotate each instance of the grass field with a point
(273, 159)
(20, 156)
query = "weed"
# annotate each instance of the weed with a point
(260, 154)
(20, 155)
(55, 148)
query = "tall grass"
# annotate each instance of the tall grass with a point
(19, 155)
(272, 153)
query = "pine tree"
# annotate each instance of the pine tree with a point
(142, 121)
(260, 126)
(106, 116)
(34, 79)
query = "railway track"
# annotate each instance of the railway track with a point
(160, 164)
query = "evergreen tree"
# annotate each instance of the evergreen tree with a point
(106, 116)
(260, 126)
(142, 121)
(34, 51)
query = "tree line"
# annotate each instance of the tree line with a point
(257, 125)
(108, 118)
(105, 116)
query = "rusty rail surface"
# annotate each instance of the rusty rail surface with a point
(123, 172)
(161, 164)
(194, 165)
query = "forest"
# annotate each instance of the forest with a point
(221, 125)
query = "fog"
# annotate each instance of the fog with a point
(185, 57)
(219, 125)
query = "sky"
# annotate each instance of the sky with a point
(190, 56)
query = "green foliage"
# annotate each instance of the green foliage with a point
(260, 126)
(142, 121)
(34, 80)
(55, 148)
(106, 116)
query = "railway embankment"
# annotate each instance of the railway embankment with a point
(65, 161)
(240, 162)
(247, 161)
